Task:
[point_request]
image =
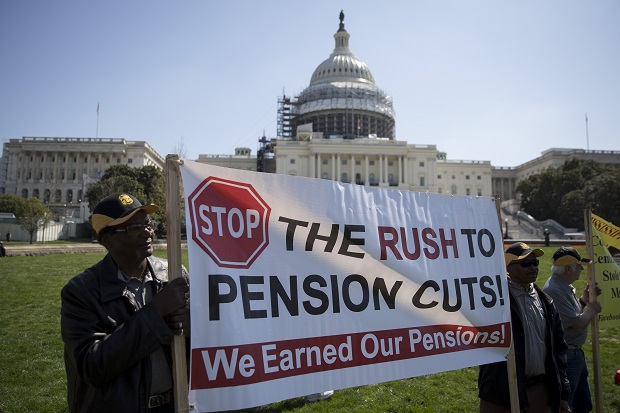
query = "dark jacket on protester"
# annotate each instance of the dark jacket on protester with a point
(493, 378)
(108, 341)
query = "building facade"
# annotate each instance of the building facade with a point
(58, 171)
(242, 159)
(341, 127)
(506, 179)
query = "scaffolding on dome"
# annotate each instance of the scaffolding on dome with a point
(285, 117)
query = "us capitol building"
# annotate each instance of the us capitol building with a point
(341, 127)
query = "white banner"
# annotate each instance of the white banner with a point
(303, 285)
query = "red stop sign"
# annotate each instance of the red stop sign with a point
(229, 221)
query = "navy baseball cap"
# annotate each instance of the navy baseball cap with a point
(520, 250)
(567, 256)
(117, 209)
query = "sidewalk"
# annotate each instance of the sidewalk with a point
(13, 250)
(45, 249)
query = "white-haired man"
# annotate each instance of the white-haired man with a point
(576, 314)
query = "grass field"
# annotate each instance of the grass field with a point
(32, 376)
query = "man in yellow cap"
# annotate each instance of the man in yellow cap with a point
(576, 315)
(118, 317)
(538, 343)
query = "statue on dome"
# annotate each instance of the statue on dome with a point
(341, 20)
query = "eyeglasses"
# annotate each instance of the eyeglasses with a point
(528, 263)
(134, 230)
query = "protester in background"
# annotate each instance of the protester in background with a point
(118, 317)
(576, 314)
(8, 236)
(538, 342)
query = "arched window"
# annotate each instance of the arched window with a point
(25, 193)
(324, 175)
(58, 195)
(391, 179)
(371, 177)
(69, 195)
(35, 193)
(453, 189)
(344, 177)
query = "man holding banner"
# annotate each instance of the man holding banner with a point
(538, 343)
(576, 315)
(119, 317)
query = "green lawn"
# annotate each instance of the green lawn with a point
(32, 377)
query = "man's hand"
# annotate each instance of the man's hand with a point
(173, 297)
(595, 306)
(564, 407)
(179, 322)
(585, 297)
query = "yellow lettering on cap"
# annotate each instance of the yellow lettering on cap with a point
(125, 199)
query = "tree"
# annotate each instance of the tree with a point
(146, 183)
(10, 203)
(180, 148)
(563, 193)
(32, 215)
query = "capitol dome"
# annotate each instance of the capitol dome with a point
(342, 99)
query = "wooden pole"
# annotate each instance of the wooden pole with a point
(510, 358)
(173, 229)
(596, 346)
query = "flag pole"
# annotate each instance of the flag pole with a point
(587, 134)
(173, 237)
(97, 130)
(596, 347)
(511, 362)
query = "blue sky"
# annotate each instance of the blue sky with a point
(482, 79)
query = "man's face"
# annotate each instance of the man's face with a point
(133, 239)
(572, 274)
(524, 271)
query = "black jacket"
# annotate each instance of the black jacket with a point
(108, 342)
(493, 378)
